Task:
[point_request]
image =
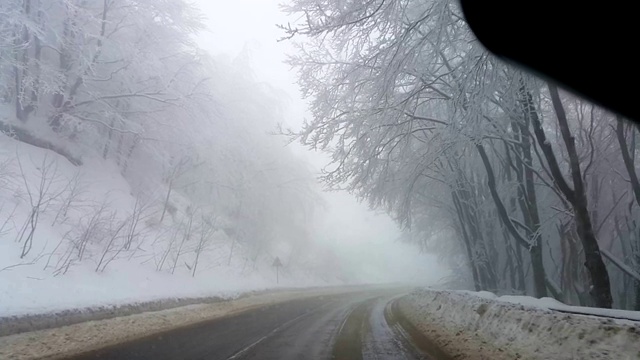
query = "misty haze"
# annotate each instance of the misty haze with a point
(303, 179)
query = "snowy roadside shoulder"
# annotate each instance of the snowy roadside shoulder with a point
(16, 324)
(69, 340)
(483, 326)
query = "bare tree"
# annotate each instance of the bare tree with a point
(628, 158)
(90, 229)
(108, 253)
(207, 228)
(186, 236)
(74, 190)
(139, 213)
(39, 198)
(405, 101)
(601, 292)
(172, 175)
(167, 250)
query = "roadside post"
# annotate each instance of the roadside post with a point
(277, 264)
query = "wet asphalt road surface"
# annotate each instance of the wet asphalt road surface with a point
(359, 325)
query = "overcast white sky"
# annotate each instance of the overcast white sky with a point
(237, 25)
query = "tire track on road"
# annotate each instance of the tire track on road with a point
(376, 330)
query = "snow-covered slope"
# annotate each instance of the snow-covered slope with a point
(77, 255)
(521, 327)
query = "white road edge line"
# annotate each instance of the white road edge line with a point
(239, 353)
(344, 321)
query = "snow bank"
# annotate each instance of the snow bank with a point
(522, 327)
(553, 304)
(18, 324)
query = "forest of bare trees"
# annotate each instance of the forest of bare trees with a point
(123, 82)
(521, 187)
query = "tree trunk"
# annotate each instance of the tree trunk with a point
(65, 63)
(21, 67)
(125, 163)
(166, 200)
(517, 250)
(467, 243)
(37, 55)
(233, 243)
(65, 103)
(195, 263)
(107, 144)
(509, 270)
(536, 254)
(26, 137)
(528, 202)
(601, 291)
(637, 286)
(532, 212)
(628, 160)
(513, 208)
(471, 210)
(477, 242)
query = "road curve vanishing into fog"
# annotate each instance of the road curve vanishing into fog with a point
(358, 325)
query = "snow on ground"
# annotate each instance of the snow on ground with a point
(553, 304)
(21, 293)
(50, 277)
(482, 325)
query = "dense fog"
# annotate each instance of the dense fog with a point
(168, 148)
(146, 142)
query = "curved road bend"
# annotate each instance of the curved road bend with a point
(358, 325)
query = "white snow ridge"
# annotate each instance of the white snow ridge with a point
(525, 327)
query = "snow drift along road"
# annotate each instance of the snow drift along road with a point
(481, 325)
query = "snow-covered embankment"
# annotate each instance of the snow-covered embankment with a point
(482, 326)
